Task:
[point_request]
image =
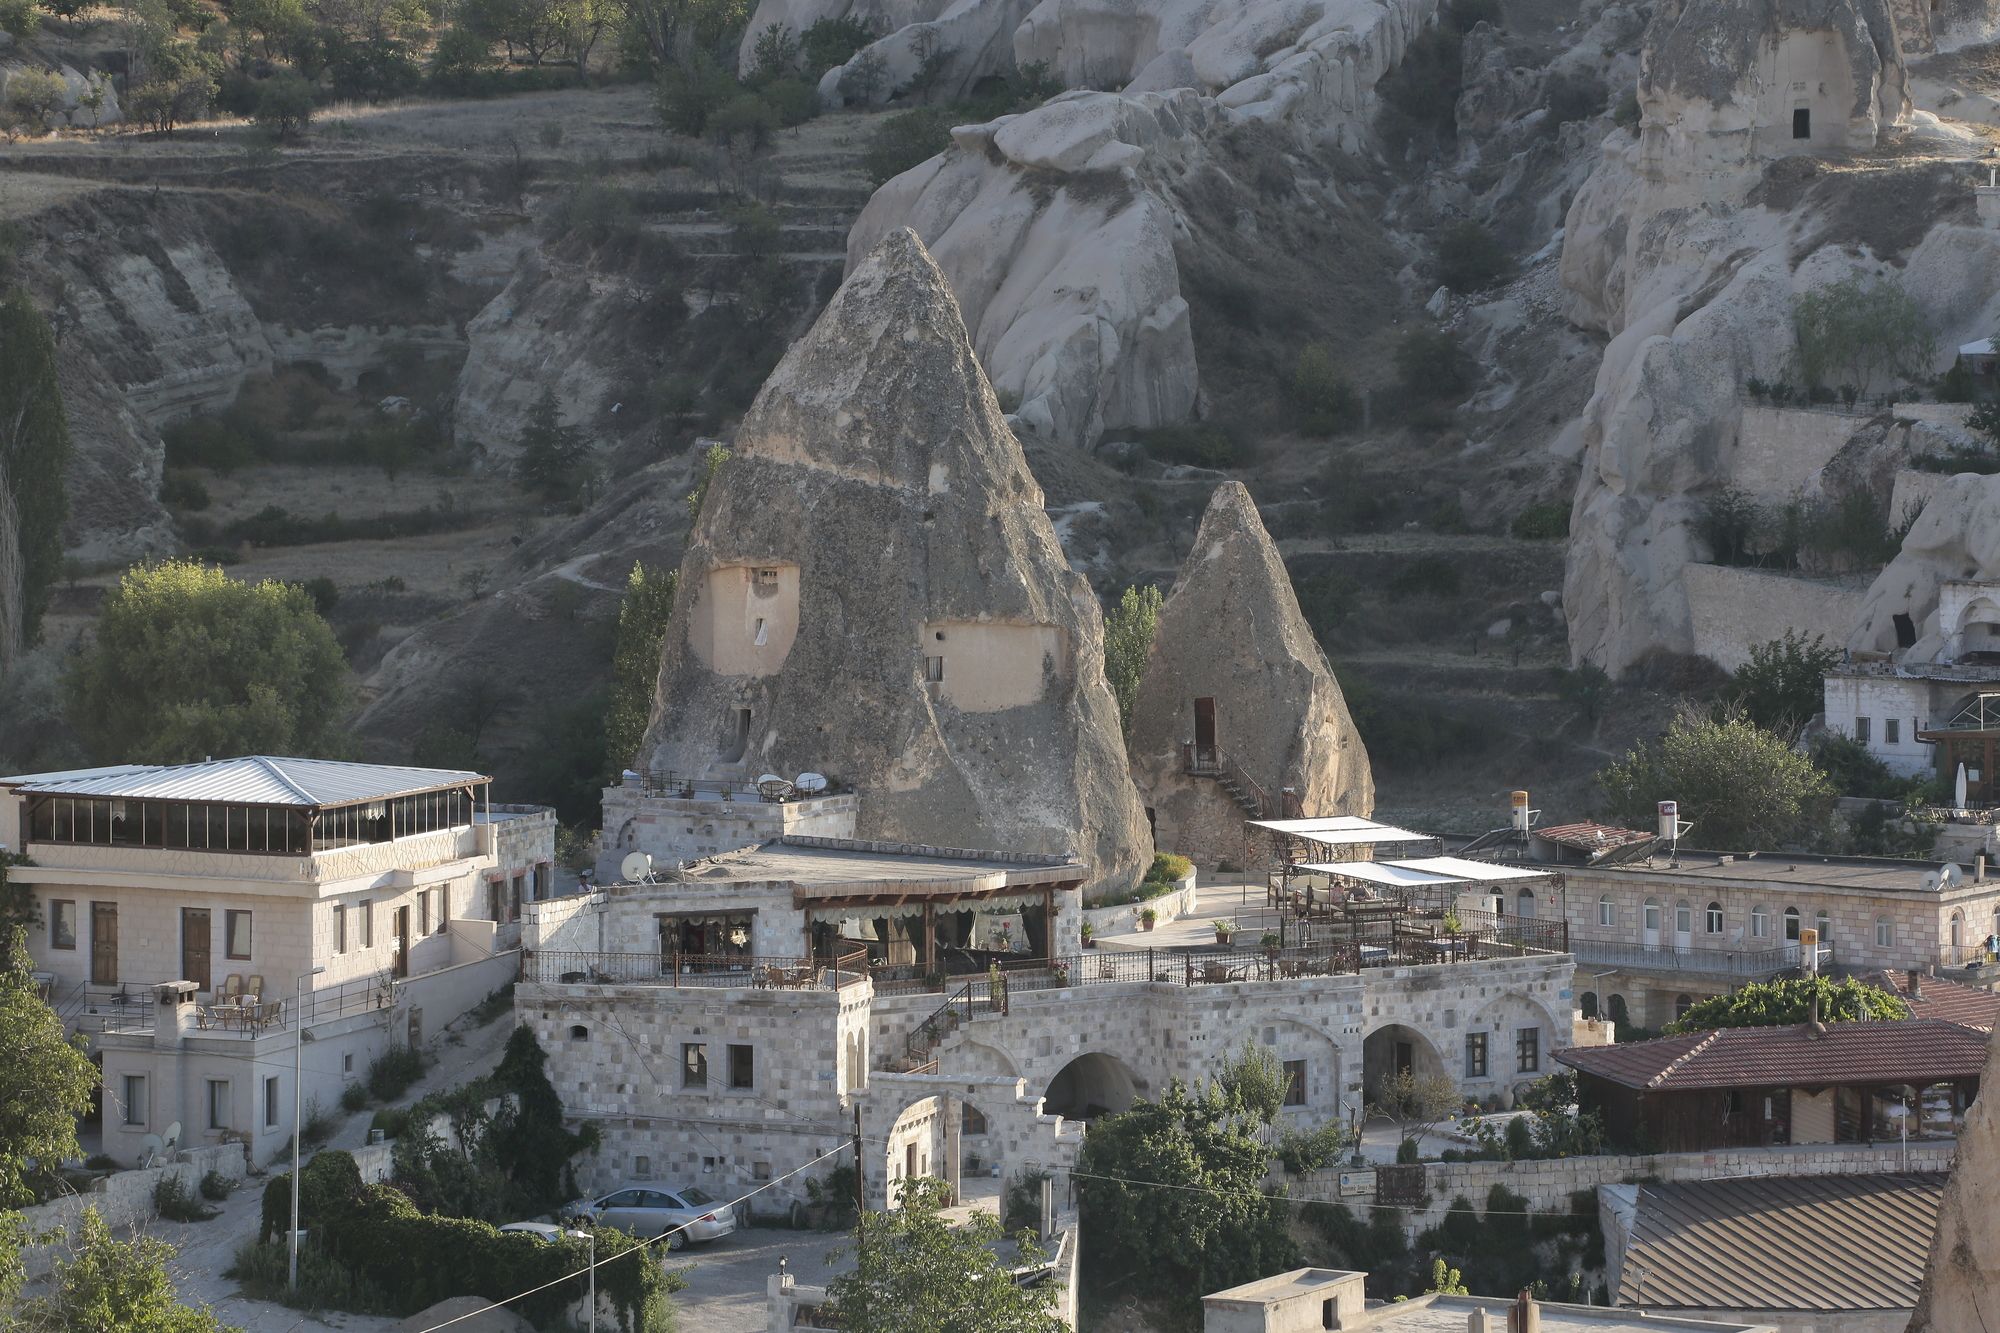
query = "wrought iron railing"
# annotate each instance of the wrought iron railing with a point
(132, 1008)
(553, 967)
(1749, 963)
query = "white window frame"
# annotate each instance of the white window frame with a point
(1607, 911)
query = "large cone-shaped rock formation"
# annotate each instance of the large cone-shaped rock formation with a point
(1962, 1285)
(873, 591)
(1236, 672)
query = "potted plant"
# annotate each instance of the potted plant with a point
(1223, 930)
(1060, 971)
(1088, 932)
(1452, 925)
(1147, 916)
(1271, 944)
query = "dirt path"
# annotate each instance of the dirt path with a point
(207, 1249)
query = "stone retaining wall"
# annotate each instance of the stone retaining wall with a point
(125, 1198)
(1124, 918)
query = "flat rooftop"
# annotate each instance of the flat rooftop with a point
(849, 866)
(1450, 1314)
(1872, 874)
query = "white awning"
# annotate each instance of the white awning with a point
(1457, 867)
(1342, 830)
(1386, 873)
(1984, 347)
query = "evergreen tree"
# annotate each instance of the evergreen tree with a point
(552, 461)
(635, 659)
(1129, 628)
(34, 449)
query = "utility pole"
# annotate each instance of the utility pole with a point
(860, 1193)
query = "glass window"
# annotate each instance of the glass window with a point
(1760, 922)
(697, 1198)
(1892, 731)
(1683, 918)
(218, 1103)
(622, 1199)
(368, 925)
(1824, 925)
(236, 934)
(1791, 923)
(1958, 927)
(1861, 730)
(340, 928)
(443, 910)
(62, 923)
(1885, 932)
(1652, 914)
(1607, 915)
(1475, 1055)
(1295, 1083)
(742, 1067)
(694, 1065)
(135, 1099)
(424, 913)
(1713, 921)
(271, 1102)
(1528, 1050)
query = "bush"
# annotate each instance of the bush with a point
(284, 104)
(746, 120)
(391, 1120)
(393, 1071)
(1573, 95)
(831, 42)
(353, 1097)
(1194, 446)
(1432, 367)
(216, 1187)
(1547, 520)
(1853, 771)
(1468, 257)
(173, 1200)
(1327, 403)
(34, 96)
(326, 1183)
(793, 100)
(903, 141)
(1427, 576)
(688, 95)
(181, 489)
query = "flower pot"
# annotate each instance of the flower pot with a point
(1222, 938)
(1089, 943)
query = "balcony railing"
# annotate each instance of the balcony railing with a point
(1753, 964)
(658, 782)
(129, 1008)
(552, 967)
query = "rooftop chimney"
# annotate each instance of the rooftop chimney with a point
(1916, 980)
(1979, 868)
(1526, 1316)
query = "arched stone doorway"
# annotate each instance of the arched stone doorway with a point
(1390, 1049)
(1089, 1086)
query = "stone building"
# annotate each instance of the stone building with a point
(1238, 714)
(690, 819)
(181, 905)
(875, 592)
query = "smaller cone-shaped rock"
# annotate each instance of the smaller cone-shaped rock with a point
(1237, 683)
(873, 591)
(1962, 1285)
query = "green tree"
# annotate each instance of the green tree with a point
(712, 459)
(107, 1285)
(775, 54)
(903, 140)
(1782, 685)
(1432, 367)
(552, 458)
(1743, 787)
(1446, 1280)
(1129, 628)
(45, 1081)
(34, 450)
(188, 662)
(1861, 328)
(671, 31)
(37, 97)
(284, 104)
(915, 1272)
(643, 613)
(1326, 401)
(1468, 258)
(1172, 1197)
(1790, 1000)
(19, 19)
(1414, 1101)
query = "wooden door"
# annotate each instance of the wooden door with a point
(194, 946)
(1404, 1057)
(104, 944)
(1204, 728)
(402, 942)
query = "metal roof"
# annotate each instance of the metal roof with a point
(1380, 872)
(252, 780)
(1916, 1051)
(1341, 830)
(1482, 872)
(1782, 1243)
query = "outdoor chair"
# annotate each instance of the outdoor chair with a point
(232, 987)
(254, 988)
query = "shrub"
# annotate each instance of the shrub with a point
(746, 121)
(326, 1183)
(1427, 576)
(1169, 868)
(1194, 446)
(1546, 520)
(284, 104)
(1955, 385)
(793, 100)
(831, 42)
(353, 1097)
(1432, 367)
(216, 1187)
(1468, 257)
(19, 19)
(688, 95)
(1024, 1202)
(1853, 771)
(36, 96)
(181, 489)
(393, 1071)
(1573, 95)
(903, 141)
(774, 55)
(173, 1200)
(1327, 403)
(391, 1120)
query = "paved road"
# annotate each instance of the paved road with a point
(726, 1280)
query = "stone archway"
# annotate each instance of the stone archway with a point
(1091, 1085)
(1392, 1048)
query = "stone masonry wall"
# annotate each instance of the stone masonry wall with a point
(1734, 610)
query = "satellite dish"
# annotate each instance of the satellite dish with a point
(636, 867)
(149, 1150)
(763, 778)
(172, 1139)
(774, 788)
(810, 782)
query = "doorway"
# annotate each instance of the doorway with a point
(1204, 730)
(194, 947)
(1802, 123)
(401, 965)
(104, 944)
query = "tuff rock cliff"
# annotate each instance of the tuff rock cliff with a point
(1232, 633)
(874, 591)
(1962, 1285)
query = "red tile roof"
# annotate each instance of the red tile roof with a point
(1968, 1006)
(1589, 837)
(1916, 1051)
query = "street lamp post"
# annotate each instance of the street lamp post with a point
(298, 1070)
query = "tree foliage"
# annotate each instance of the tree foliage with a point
(1171, 1195)
(1129, 628)
(107, 1285)
(34, 450)
(643, 614)
(553, 458)
(1415, 1101)
(1432, 366)
(1743, 787)
(916, 1272)
(1327, 403)
(1782, 685)
(45, 1081)
(671, 31)
(1790, 1000)
(712, 459)
(188, 662)
(1857, 329)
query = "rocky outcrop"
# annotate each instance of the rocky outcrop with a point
(90, 98)
(1231, 634)
(944, 56)
(1956, 537)
(873, 591)
(1961, 1283)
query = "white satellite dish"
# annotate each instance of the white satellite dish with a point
(636, 867)
(170, 1142)
(149, 1150)
(763, 778)
(810, 782)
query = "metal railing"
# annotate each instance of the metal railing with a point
(552, 967)
(132, 1008)
(659, 782)
(1212, 761)
(1751, 963)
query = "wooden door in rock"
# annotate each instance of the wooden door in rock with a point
(1204, 731)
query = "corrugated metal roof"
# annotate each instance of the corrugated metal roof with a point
(1782, 1243)
(255, 780)
(1915, 1051)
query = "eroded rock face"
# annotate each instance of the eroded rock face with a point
(1964, 1274)
(1956, 537)
(874, 591)
(1231, 633)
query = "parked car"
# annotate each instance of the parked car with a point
(546, 1232)
(682, 1215)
